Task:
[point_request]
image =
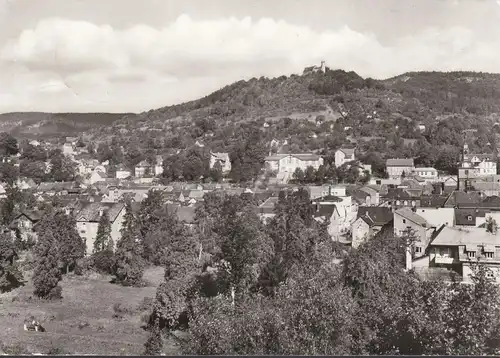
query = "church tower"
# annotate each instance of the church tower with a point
(465, 170)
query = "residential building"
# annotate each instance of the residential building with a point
(288, 163)
(344, 155)
(88, 216)
(428, 174)
(122, 172)
(222, 159)
(396, 167)
(456, 249)
(25, 223)
(143, 169)
(406, 221)
(159, 165)
(369, 221)
(474, 166)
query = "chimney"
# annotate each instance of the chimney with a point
(101, 212)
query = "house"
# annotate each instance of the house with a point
(473, 166)
(396, 167)
(266, 209)
(369, 221)
(68, 149)
(143, 169)
(122, 172)
(456, 249)
(88, 216)
(222, 159)
(406, 221)
(314, 69)
(468, 217)
(25, 223)
(344, 155)
(343, 214)
(288, 163)
(426, 173)
(460, 199)
(402, 197)
(159, 165)
(97, 176)
(488, 188)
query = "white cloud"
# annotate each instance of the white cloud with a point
(152, 66)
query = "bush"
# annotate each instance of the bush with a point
(121, 310)
(146, 304)
(103, 261)
(55, 293)
(83, 266)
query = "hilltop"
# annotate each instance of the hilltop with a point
(39, 124)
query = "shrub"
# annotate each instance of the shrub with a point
(103, 261)
(55, 293)
(146, 304)
(83, 266)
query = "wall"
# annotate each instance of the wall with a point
(360, 232)
(422, 234)
(88, 231)
(397, 171)
(122, 174)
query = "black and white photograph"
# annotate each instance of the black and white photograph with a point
(250, 177)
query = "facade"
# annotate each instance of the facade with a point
(288, 163)
(223, 159)
(122, 172)
(87, 221)
(370, 220)
(455, 249)
(396, 167)
(405, 221)
(142, 169)
(428, 174)
(344, 155)
(473, 166)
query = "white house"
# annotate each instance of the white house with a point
(290, 162)
(344, 155)
(223, 159)
(122, 172)
(396, 167)
(429, 174)
(159, 165)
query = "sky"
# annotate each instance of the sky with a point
(137, 55)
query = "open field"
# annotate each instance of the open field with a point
(85, 322)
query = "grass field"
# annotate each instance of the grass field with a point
(86, 321)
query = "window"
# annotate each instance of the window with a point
(469, 217)
(471, 254)
(441, 252)
(488, 255)
(404, 221)
(418, 250)
(489, 274)
(397, 202)
(406, 203)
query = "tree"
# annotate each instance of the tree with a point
(10, 275)
(216, 172)
(9, 205)
(298, 175)
(62, 168)
(70, 246)
(129, 264)
(47, 274)
(103, 240)
(491, 225)
(9, 173)
(8, 144)
(154, 344)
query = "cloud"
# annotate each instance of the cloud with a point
(98, 60)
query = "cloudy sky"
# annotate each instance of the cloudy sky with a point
(134, 55)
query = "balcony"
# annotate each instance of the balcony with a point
(444, 260)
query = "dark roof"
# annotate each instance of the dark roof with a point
(324, 210)
(32, 215)
(375, 215)
(89, 212)
(433, 201)
(491, 202)
(463, 199)
(462, 217)
(402, 194)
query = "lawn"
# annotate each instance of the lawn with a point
(85, 321)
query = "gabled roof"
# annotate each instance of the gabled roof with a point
(89, 212)
(463, 199)
(462, 217)
(400, 162)
(324, 210)
(410, 215)
(301, 156)
(375, 215)
(433, 201)
(491, 202)
(32, 215)
(348, 151)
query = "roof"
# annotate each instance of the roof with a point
(427, 169)
(463, 199)
(403, 162)
(89, 212)
(48, 186)
(462, 217)
(482, 157)
(196, 194)
(220, 156)
(375, 215)
(484, 185)
(491, 202)
(324, 210)
(33, 215)
(302, 156)
(403, 193)
(433, 201)
(347, 151)
(450, 236)
(184, 213)
(412, 216)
